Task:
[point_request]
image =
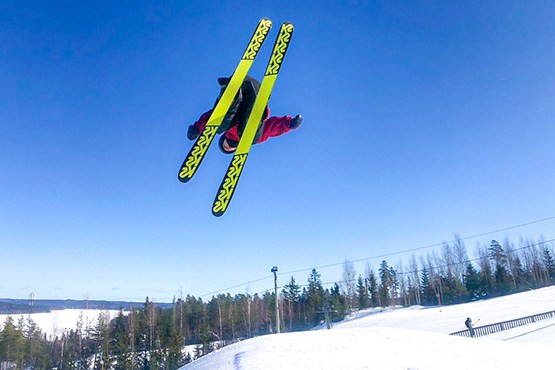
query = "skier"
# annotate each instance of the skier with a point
(468, 324)
(236, 118)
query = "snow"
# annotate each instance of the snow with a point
(376, 348)
(449, 319)
(542, 332)
(405, 338)
(57, 321)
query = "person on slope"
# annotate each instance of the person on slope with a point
(234, 122)
(468, 324)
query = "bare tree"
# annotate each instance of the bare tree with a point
(461, 258)
(447, 260)
(150, 321)
(348, 283)
(405, 294)
(415, 278)
(512, 260)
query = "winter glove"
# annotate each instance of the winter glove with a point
(296, 122)
(193, 132)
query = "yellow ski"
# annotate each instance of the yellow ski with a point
(229, 183)
(197, 152)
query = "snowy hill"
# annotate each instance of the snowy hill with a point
(448, 319)
(405, 338)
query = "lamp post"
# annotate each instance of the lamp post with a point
(274, 270)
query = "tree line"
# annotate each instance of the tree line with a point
(153, 338)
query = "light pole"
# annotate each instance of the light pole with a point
(274, 270)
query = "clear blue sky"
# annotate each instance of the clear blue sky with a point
(421, 119)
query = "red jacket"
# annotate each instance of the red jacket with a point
(273, 126)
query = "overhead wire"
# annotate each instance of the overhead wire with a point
(386, 255)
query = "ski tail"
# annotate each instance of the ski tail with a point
(229, 183)
(201, 145)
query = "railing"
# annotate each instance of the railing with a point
(480, 331)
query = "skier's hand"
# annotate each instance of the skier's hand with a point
(193, 132)
(296, 122)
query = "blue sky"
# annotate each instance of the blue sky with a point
(422, 119)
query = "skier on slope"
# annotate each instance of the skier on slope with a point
(468, 324)
(236, 118)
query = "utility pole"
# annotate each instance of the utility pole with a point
(274, 270)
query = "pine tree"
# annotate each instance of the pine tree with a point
(393, 284)
(549, 264)
(427, 293)
(12, 343)
(498, 253)
(35, 352)
(120, 343)
(362, 290)
(472, 281)
(291, 296)
(385, 277)
(337, 304)
(102, 340)
(373, 288)
(316, 298)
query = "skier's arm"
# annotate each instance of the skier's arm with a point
(196, 128)
(276, 126)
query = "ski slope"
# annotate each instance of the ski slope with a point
(449, 319)
(405, 338)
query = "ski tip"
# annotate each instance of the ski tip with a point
(218, 213)
(183, 176)
(286, 23)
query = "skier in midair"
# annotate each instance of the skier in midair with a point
(236, 118)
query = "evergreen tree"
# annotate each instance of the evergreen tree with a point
(427, 294)
(498, 253)
(385, 276)
(12, 343)
(549, 264)
(35, 351)
(316, 298)
(120, 343)
(337, 304)
(373, 289)
(393, 284)
(500, 257)
(501, 280)
(362, 290)
(102, 341)
(472, 281)
(291, 296)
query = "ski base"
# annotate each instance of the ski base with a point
(229, 183)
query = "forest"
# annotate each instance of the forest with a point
(150, 337)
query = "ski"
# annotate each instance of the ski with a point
(201, 145)
(229, 183)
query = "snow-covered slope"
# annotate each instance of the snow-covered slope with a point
(405, 338)
(378, 348)
(448, 319)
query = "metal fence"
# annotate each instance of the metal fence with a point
(480, 331)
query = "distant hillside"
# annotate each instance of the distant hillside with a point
(18, 306)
